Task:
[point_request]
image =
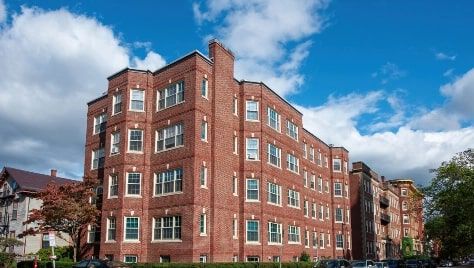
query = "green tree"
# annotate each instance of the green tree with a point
(66, 209)
(7, 259)
(450, 206)
(305, 257)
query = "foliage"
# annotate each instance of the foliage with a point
(66, 209)
(45, 264)
(8, 259)
(305, 257)
(62, 253)
(225, 265)
(407, 247)
(450, 206)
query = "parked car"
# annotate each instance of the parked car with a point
(96, 263)
(392, 263)
(380, 264)
(413, 264)
(333, 263)
(363, 264)
(446, 263)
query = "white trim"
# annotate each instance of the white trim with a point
(258, 111)
(130, 102)
(126, 185)
(125, 230)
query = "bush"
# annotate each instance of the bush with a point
(64, 254)
(225, 265)
(45, 264)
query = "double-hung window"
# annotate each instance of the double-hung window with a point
(253, 231)
(274, 232)
(168, 182)
(339, 217)
(273, 119)
(135, 140)
(98, 158)
(306, 208)
(202, 224)
(321, 240)
(274, 155)
(111, 228)
(132, 228)
(252, 190)
(339, 241)
(167, 228)
(292, 130)
(336, 165)
(252, 110)
(204, 130)
(100, 122)
(133, 183)
(313, 210)
(169, 137)
(313, 182)
(311, 154)
(274, 193)
(170, 96)
(305, 150)
(115, 143)
(338, 189)
(203, 176)
(113, 185)
(292, 163)
(137, 100)
(204, 88)
(293, 198)
(293, 234)
(252, 149)
(116, 104)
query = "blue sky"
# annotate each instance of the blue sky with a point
(389, 80)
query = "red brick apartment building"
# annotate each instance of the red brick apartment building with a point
(197, 166)
(377, 209)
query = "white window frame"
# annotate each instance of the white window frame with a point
(270, 188)
(205, 88)
(305, 150)
(177, 130)
(115, 97)
(292, 130)
(277, 156)
(247, 110)
(235, 229)
(306, 208)
(337, 162)
(311, 154)
(257, 149)
(111, 177)
(294, 232)
(126, 185)
(235, 147)
(203, 177)
(341, 215)
(98, 154)
(179, 89)
(130, 256)
(203, 224)
(109, 229)
(338, 189)
(278, 233)
(125, 229)
(130, 140)
(293, 199)
(163, 176)
(339, 240)
(100, 123)
(247, 189)
(273, 121)
(404, 192)
(235, 185)
(247, 231)
(322, 241)
(131, 100)
(203, 129)
(292, 160)
(115, 143)
(173, 227)
(235, 106)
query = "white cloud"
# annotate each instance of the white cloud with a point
(448, 73)
(389, 71)
(260, 32)
(405, 152)
(48, 76)
(152, 62)
(443, 56)
(460, 94)
(3, 12)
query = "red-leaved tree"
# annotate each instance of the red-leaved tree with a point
(66, 209)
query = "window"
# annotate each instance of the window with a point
(348, 214)
(133, 183)
(130, 259)
(253, 259)
(137, 100)
(406, 219)
(168, 182)
(235, 189)
(252, 110)
(313, 182)
(100, 123)
(292, 163)
(132, 228)
(203, 258)
(405, 232)
(113, 185)
(203, 176)
(115, 143)
(336, 165)
(235, 229)
(404, 192)
(252, 149)
(252, 190)
(204, 88)
(135, 140)
(305, 150)
(273, 119)
(291, 130)
(306, 239)
(165, 258)
(327, 211)
(116, 104)
(293, 234)
(311, 154)
(321, 240)
(274, 155)
(319, 160)
(274, 193)
(326, 163)
(346, 191)
(91, 234)
(234, 106)
(98, 158)
(170, 96)
(202, 224)
(293, 198)
(305, 178)
(339, 217)
(346, 170)
(321, 213)
(320, 184)
(305, 208)
(315, 239)
(45, 241)
(404, 205)
(167, 228)
(14, 210)
(338, 189)
(313, 211)
(274, 233)
(326, 186)
(204, 131)
(253, 231)
(236, 145)
(169, 137)
(339, 241)
(111, 229)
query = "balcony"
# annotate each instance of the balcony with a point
(384, 202)
(384, 218)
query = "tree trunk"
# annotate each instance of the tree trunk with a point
(75, 252)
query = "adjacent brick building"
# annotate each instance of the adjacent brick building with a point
(197, 166)
(378, 208)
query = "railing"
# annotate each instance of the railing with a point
(384, 201)
(384, 218)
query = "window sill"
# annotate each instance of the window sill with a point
(167, 194)
(252, 160)
(274, 244)
(274, 204)
(170, 149)
(252, 120)
(252, 243)
(201, 234)
(135, 152)
(117, 113)
(113, 197)
(133, 196)
(167, 241)
(162, 109)
(131, 241)
(110, 241)
(294, 243)
(234, 194)
(114, 154)
(204, 140)
(136, 111)
(293, 207)
(273, 165)
(203, 187)
(252, 201)
(292, 171)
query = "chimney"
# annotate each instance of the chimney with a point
(54, 172)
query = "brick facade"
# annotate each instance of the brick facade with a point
(226, 200)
